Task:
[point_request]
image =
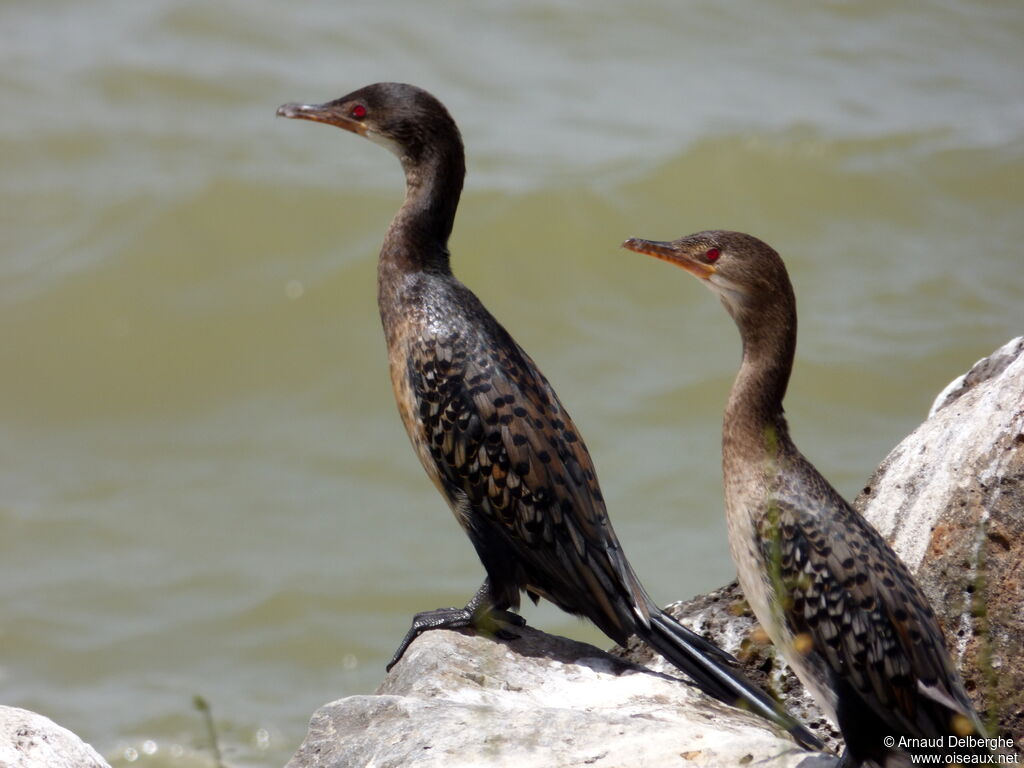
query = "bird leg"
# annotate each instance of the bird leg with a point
(479, 613)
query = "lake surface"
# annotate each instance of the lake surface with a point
(204, 486)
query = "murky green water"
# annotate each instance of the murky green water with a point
(204, 488)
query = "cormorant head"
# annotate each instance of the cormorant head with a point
(744, 272)
(407, 120)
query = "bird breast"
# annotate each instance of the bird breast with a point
(746, 513)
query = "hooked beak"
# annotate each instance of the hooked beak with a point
(666, 252)
(322, 113)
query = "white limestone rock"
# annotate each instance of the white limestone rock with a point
(29, 740)
(536, 702)
(950, 500)
(972, 439)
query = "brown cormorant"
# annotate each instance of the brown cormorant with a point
(489, 429)
(832, 595)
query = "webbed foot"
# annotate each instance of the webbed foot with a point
(478, 614)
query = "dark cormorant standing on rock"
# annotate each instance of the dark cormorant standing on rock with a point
(487, 426)
(834, 598)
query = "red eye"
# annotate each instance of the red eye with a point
(712, 254)
(358, 111)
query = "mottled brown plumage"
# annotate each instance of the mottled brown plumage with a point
(488, 428)
(506, 456)
(833, 596)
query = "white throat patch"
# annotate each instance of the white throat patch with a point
(392, 146)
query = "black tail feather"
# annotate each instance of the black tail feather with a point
(711, 670)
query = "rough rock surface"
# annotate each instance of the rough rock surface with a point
(724, 617)
(950, 499)
(536, 702)
(29, 740)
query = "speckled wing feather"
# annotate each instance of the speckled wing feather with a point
(869, 623)
(513, 466)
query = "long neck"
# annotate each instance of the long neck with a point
(416, 243)
(417, 240)
(755, 423)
